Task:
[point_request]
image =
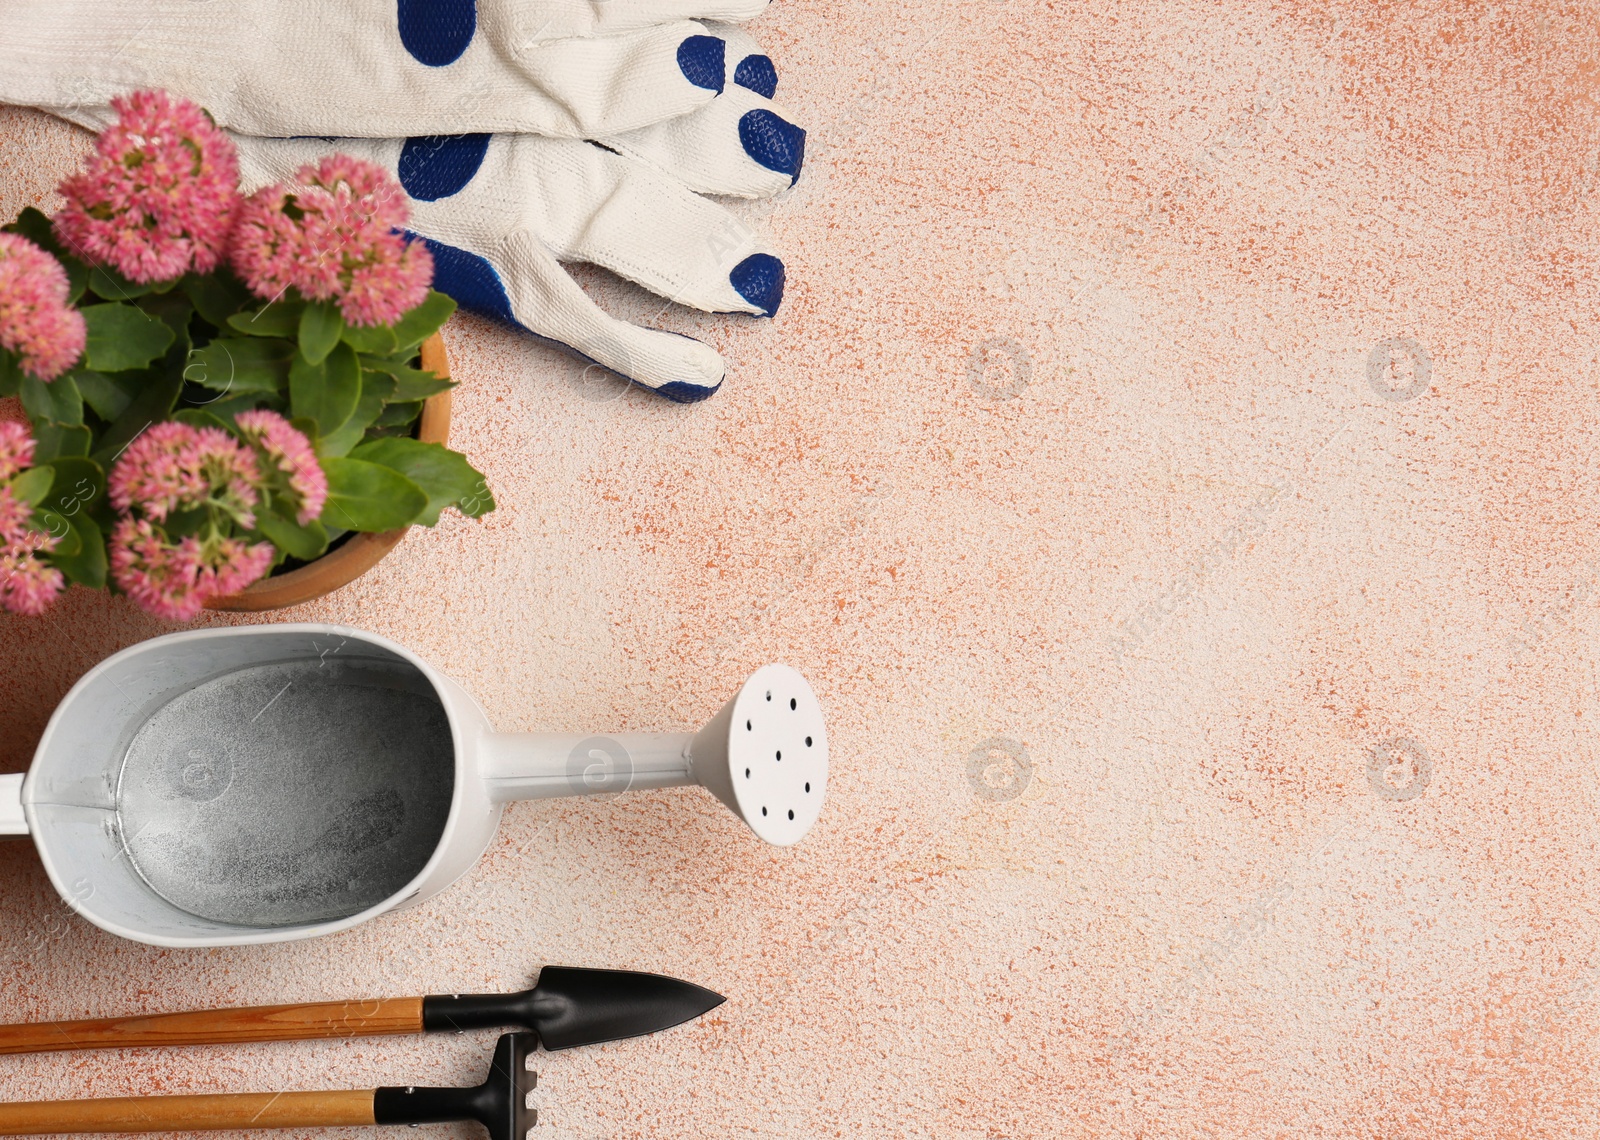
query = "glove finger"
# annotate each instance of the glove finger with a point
(740, 144)
(363, 74)
(522, 284)
(560, 19)
(587, 204)
(749, 65)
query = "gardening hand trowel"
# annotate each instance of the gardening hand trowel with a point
(499, 1104)
(568, 1007)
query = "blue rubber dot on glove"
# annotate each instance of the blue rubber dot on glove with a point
(703, 61)
(437, 166)
(759, 280)
(436, 32)
(757, 73)
(470, 280)
(773, 142)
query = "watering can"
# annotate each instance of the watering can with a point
(229, 786)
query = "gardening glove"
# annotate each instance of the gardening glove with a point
(501, 212)
(374, 68)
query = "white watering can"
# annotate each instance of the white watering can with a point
(220, 787)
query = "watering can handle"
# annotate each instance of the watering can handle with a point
(12, 821)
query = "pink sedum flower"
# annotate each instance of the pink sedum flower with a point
(27, 585)
(162, 577)
(15, 517)
(236, 564)
(282, 448)
(36, 322)
(173, 466)
(16, 448)
(157, 196)
(334, 235)
(173, 580)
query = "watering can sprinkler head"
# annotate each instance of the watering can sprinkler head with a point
(765, 755)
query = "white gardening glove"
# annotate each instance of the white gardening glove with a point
(374, 68)
(501, 212)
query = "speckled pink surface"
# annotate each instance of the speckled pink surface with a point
(1193, 399)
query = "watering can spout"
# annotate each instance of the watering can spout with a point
(764, 755)
(12, 821)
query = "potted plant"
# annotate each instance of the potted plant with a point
(220, 390)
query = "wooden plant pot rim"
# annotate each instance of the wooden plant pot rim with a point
(362, 551)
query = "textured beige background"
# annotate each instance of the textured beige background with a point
(1196, 397)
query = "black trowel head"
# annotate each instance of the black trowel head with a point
(572, 1006)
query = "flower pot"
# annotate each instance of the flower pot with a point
(362, 551)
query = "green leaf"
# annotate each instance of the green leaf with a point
(216, 296)
(375, 391)
(107, 396)
(281, 318)
(320, 326)
(183, 524)
(152, 405)
(445, 475)
(399, 415)
(240, 364)
(58, 401)
(226, 409)
(35, 226)
(87, 566)
(79, 484)
(201, 418)
(411, 383)
(69, 541)
(109, 285)
(327, 392)
(123, 337)
(302, 542)
(423, 321)
(376, 339)
(173, 308)
(52, 441)
(369, 496)
(33, 484)
(10, 373)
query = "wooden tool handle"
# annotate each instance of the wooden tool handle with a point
(220, 1026)
(188, 1113)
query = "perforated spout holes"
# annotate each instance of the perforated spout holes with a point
(779, 754)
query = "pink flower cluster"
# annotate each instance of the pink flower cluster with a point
(36, 322)
(289, 456)
(157, 196)
(174, 467)
(27, 584)
(173, 579)
(334, 235)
